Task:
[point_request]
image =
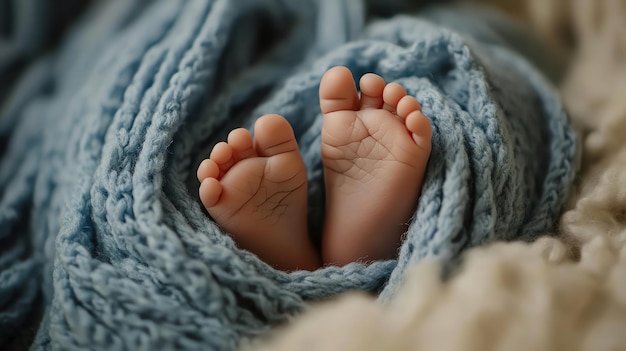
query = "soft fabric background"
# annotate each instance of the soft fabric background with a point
(573, 285)
(567, 293)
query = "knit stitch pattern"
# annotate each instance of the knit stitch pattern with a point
(99, 221)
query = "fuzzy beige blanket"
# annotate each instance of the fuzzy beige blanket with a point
(563, 293)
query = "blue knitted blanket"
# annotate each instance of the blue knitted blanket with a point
(102, 239)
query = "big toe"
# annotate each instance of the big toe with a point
(338, 91)
(273, 135)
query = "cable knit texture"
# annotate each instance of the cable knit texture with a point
(566, 294)
(97, 218)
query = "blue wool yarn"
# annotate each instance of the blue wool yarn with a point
(99, 221)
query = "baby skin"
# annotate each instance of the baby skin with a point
(375, 148)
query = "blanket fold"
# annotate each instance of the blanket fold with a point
(98, 214)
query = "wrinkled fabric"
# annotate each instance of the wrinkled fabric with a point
(99, 217)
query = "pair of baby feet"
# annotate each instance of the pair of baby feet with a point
(375, 148)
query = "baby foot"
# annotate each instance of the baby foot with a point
(375, 149)
(257, 192)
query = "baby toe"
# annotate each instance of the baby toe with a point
(241, 143)
(273, 135)
(392, 94)
(207, 169)
(407, 105)
(210, 191)
(337, 91)
(421, 128)
(372, 86)
(222, 155)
